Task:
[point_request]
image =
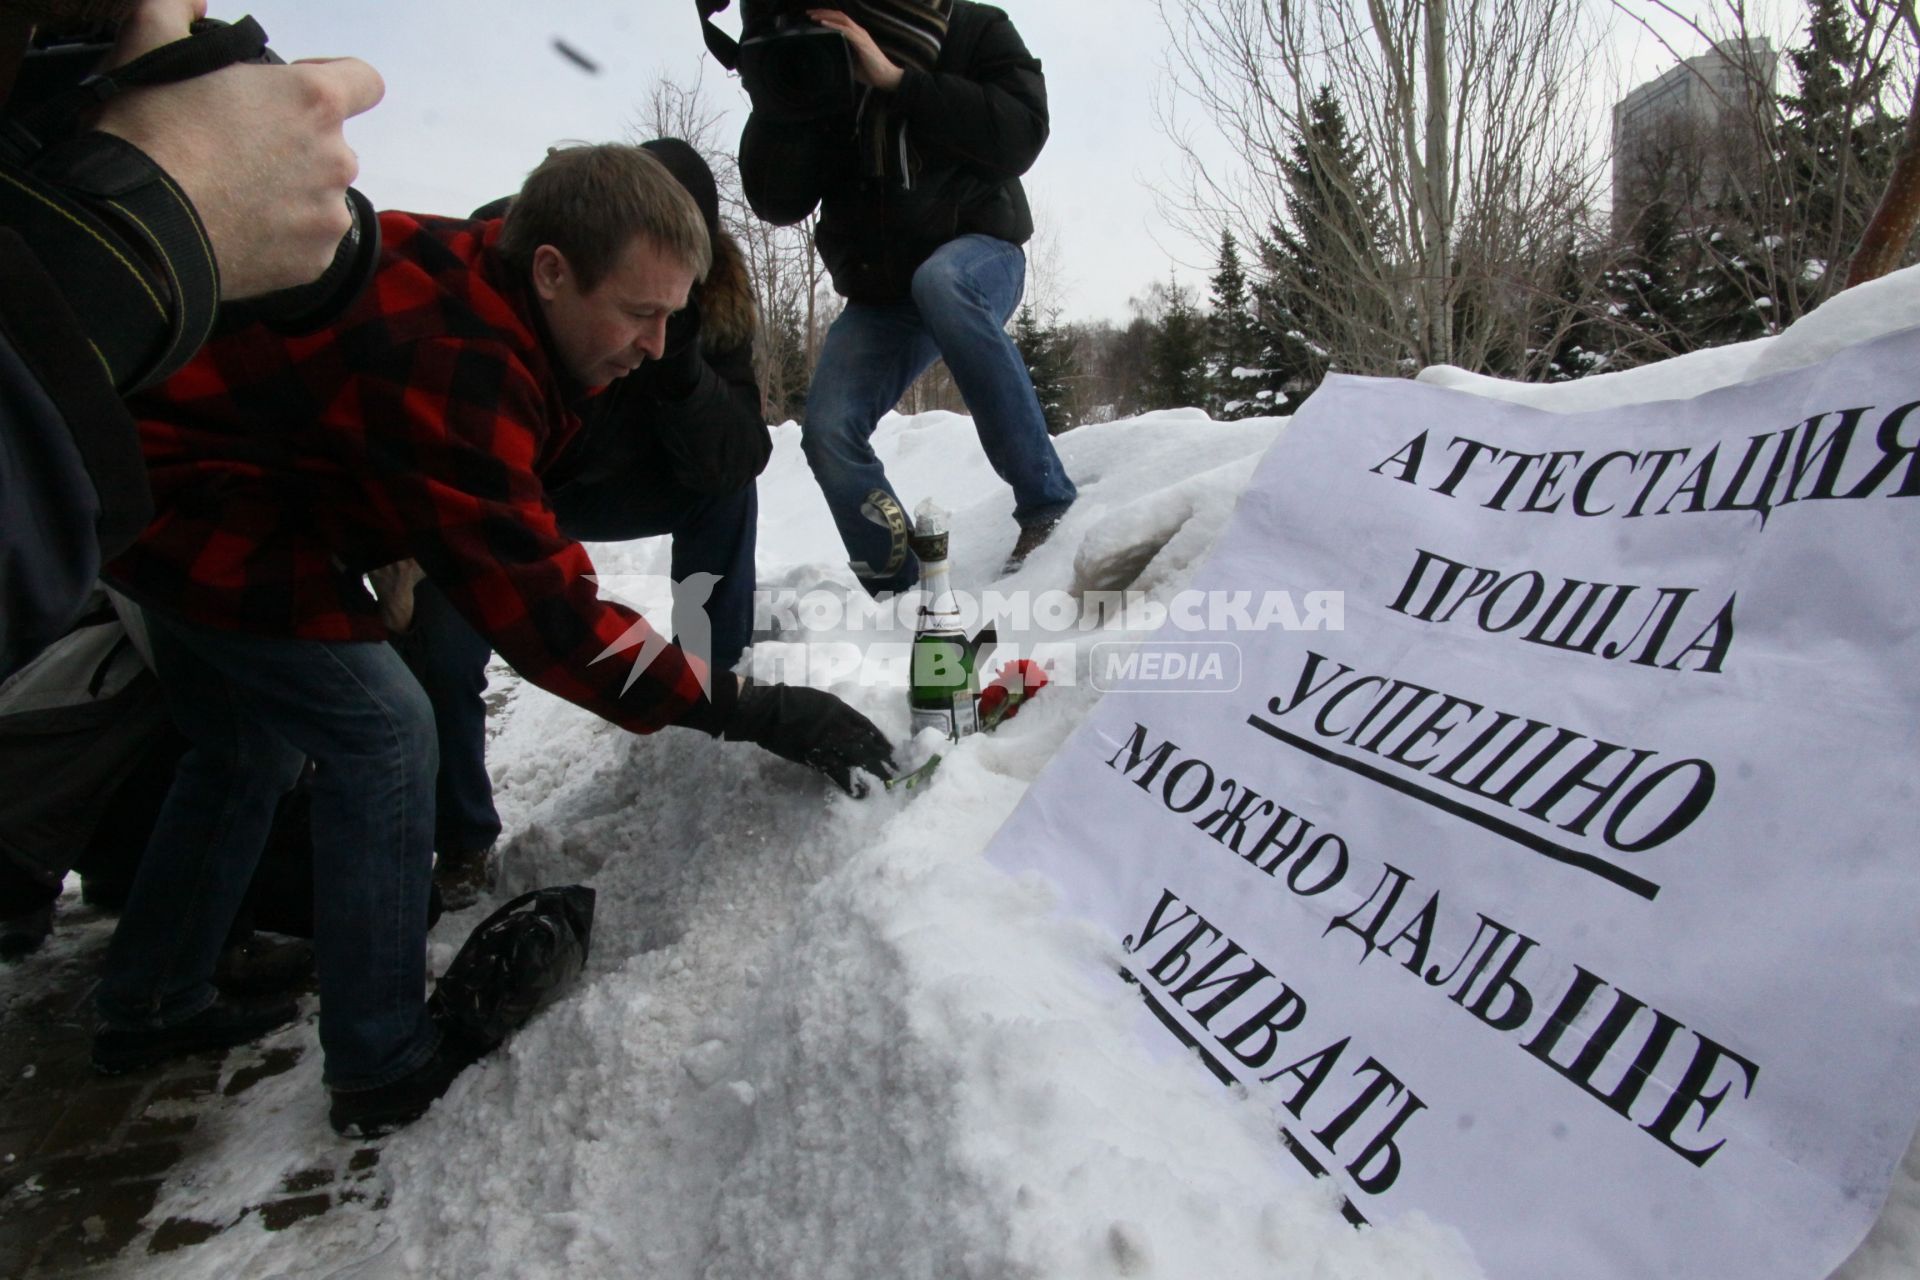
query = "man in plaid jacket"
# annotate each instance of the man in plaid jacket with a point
(285, 468)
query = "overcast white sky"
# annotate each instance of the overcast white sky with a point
(476, 92)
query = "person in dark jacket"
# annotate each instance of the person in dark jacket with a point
(922, 216)
(672, 448)
(94, 303)
(99, 296)
(418, 426)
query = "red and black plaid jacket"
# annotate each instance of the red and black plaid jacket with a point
(284, 468)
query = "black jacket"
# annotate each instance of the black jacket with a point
(972, 126)
(688, 424)
(73, 484)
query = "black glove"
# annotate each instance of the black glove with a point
(811, 727)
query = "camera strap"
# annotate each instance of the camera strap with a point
(118, 230)
(119, 233)
(724, 48)
(211, 46)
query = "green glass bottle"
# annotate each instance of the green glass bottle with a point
(940, 690)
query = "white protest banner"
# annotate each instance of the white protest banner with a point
(1568, 893)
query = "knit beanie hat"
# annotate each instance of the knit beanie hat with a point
(692, 172)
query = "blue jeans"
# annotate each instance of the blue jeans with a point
(255, 708)
(714, 539)
(449, 658)
(962, 298)
(713, 545)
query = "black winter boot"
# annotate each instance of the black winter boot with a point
(221, 1025)
(370, 1113)
(26, 910)
(1032, 536)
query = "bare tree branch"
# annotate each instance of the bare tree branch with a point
(1461, 108)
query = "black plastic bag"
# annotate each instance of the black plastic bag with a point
(518, 961)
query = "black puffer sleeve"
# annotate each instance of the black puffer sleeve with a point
(992, 115)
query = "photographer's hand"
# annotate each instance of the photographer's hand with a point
(257, 148)
(870, 65)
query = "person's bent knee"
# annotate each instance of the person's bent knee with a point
(936, 284)
(832, 440)
(398, 735)
(948, 280)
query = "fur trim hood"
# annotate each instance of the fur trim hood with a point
(728, 315)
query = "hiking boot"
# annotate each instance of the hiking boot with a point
(262, 965)
(464, 878)
(221, 1025)
(371, 1113)
(23, 934)
(1031, 536)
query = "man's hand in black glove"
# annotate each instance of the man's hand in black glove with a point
(811, 727)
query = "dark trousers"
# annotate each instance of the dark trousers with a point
(256, 709)
(713, 546)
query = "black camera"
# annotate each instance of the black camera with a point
(49, 98)
(793, 68)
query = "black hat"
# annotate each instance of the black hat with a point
(685, 164)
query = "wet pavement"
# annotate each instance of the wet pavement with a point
(86, 1160)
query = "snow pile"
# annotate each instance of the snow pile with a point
(1886, 305)
(822, 1037)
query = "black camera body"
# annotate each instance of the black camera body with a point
(793, 68)
(761, 17)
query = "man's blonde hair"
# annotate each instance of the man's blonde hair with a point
(589, 201)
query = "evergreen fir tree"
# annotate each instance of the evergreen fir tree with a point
(1235, 345)
(1836, 144)
(1314, 304)
(1178, 372)
(1571, 336)
(1767, 262)
(1650, 293)
(1738, 290)
(1048, 352)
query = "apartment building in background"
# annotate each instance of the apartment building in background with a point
(1689, 136)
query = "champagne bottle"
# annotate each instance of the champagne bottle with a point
(941, 683)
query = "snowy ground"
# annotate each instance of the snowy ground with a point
(823, 1038)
